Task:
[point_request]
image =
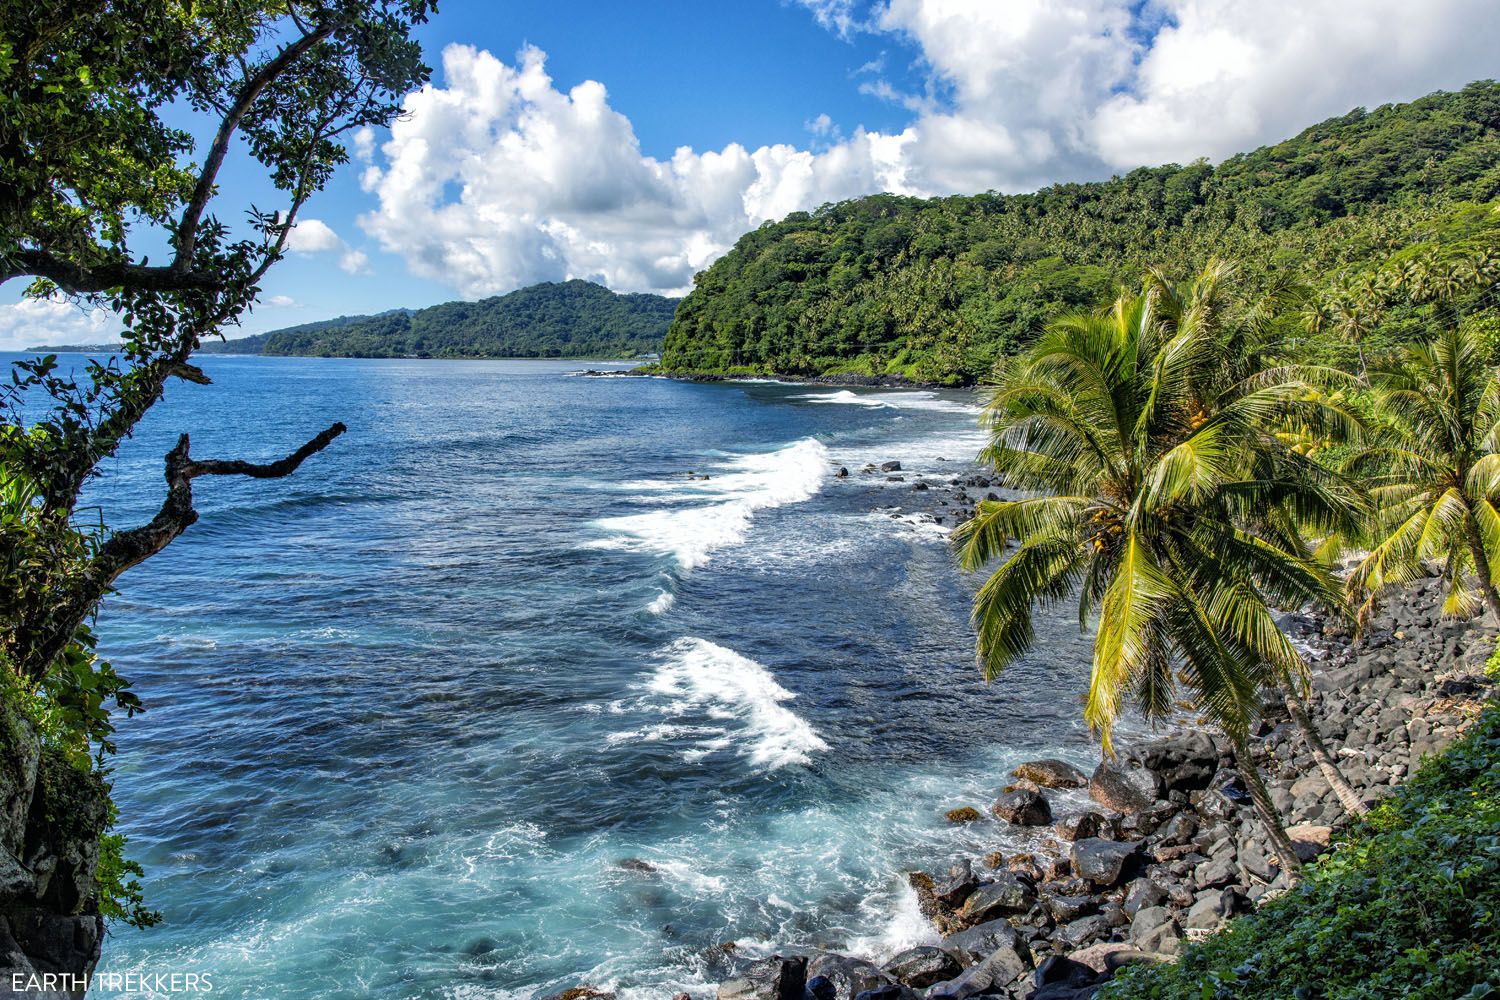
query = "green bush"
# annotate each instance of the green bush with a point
(1407, 906)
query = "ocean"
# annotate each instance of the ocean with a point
(533, 680)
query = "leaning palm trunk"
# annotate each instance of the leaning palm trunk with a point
(1286, 851)
(1348, 797)
(1481, 566)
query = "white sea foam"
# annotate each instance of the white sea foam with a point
(904, 927)
(700, 676)
(744, 485)
(895, 400)
(662, 604)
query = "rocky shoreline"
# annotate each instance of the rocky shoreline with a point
(1166, 846)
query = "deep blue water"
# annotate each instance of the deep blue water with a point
(410, 708)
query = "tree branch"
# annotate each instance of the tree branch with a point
(76, 279)
(125, 549)
(187, 228)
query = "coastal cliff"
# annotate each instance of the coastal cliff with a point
(52, 816)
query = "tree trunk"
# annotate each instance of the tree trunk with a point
(1348, 797)
(1481, 565)
(1286, 853)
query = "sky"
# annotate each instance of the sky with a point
(633, 143)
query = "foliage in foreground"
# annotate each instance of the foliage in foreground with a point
(1407, 906)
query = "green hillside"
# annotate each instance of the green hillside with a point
(938, 290)
(571, 319)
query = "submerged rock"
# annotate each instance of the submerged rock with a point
(964, 814)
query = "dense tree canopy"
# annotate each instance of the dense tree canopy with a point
(571, 319)
(940, 289)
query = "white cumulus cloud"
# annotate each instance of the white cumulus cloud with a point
(498, 178)
(311, 236)
(54, 321)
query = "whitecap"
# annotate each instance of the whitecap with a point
(699, 676)
(746, 484)
(662, 604)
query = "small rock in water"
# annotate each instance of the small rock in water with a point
(1051, 774)
(635, 865)
(843, 473)
(964, 814)
(890, 466)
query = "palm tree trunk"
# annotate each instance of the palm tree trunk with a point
(1286, 852)
(1364, 375)
(1348, 797)
(1481, 566)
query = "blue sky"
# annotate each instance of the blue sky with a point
(632, 143)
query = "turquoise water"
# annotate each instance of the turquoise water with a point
(410, 708)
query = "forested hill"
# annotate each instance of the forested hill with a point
(938, 290)
(571, 319)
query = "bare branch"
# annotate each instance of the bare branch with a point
(125, 549)
(271, 470)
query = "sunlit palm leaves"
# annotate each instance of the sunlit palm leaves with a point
(1434, 473)
(1166, 505)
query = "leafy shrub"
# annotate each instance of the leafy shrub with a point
(1407, 906)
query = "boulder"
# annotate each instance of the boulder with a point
(956, 886)
(849, 976)
(1080, 932)
(1103, 862)
(1008, 894)
(1051, 773)
(993, 974)
(774, 978)
(1104, 957)
(1023, 807)
(1066, 909)
(922, 966)
(890, 466)
(976, 943)
(890, 991)
(1086, 824)
(1310, 839)
(1207, 912)
(1056, 969)
(1143, 893)
(1124, 789)
(1216, 874)
(1153, 930)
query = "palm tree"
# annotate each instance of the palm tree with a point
(1162, 499)
(1434, 472)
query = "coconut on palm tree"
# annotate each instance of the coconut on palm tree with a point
(1164, 503)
